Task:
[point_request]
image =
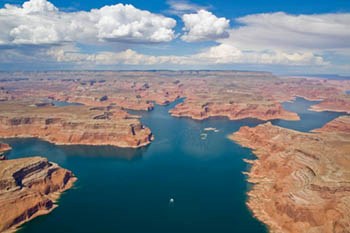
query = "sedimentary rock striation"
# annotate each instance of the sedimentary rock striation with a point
(73, 124)
(339, 104)
(29, 188)
(337, 126)
(234, 111)
(299, 187)
(301, 180)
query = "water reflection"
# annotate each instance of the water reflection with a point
(25, 147)
(104, 151)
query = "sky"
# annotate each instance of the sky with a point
(284, 37)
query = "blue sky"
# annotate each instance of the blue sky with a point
(286, 37)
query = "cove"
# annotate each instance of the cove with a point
(309, 120)
(128, 190)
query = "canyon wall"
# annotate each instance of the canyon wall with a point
(233, 111)
(73, 125)
(29, 188)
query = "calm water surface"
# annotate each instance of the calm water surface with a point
(128, 190)
(309, 120)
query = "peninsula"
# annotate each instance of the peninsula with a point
(301, 180)
(29, 187)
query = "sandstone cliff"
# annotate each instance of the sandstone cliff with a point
(233, 111)
(301, 180)
(29, 188)
(73, 125)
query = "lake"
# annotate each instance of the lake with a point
(129, 190)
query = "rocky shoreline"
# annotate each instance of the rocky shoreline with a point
(73, 125)
(29, 187)
(301, 180)
(234, 111)
(3, 149)
(298, 186)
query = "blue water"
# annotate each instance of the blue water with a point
(309, 120)
(64, 103)
(128, 190)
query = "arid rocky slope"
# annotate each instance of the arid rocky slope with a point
(72, 124)
(301, 180)
(29, 188)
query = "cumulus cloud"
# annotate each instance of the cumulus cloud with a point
(39, 22)
(203, 26)
(316, 40)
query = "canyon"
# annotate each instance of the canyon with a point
(232, 94)
(301, 181)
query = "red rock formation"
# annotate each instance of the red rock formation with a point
(301, 180)
(73, 125)
(233, 94)
(29, 188)
(337, 104)
(338, 125)
(234, 111)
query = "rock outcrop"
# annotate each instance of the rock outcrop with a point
(301, 180)
(3, 149)
(29, 188)
(73, 125)
(231, 94)
(337, 104)
(338, 125)
(233, 111)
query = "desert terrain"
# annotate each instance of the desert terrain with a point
(301, 180)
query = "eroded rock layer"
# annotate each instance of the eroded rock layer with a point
(301, 180)
(338, 125)
(234, 111)
(29, 188)
(73, 124)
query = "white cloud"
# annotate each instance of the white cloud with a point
(228, 54)
(38, 6)
(40, 22)
(180, 7)
(221, 54)
(203, 26)
(291, 32)
(128, 23)
(318, 40)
